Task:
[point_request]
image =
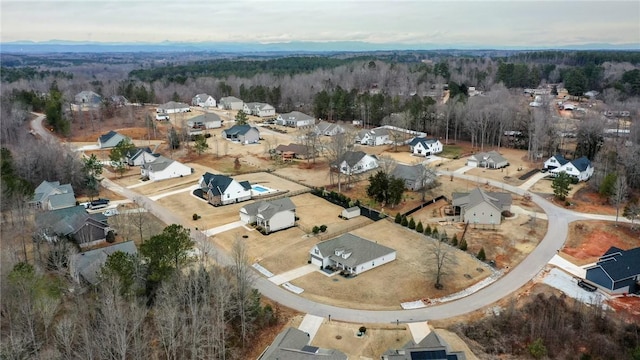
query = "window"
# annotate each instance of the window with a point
(316, 251)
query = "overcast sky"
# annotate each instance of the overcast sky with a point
(500, 23)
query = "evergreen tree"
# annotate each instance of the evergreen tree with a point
(434, 233)
(241, 118)
(398, 218)
(463, 245)
(404, 221)
(561, 185)
(454, 240)
(419, 227)
(427, 230)
(412, 224)
(481, 255)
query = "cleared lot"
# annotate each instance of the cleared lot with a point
(408, 278)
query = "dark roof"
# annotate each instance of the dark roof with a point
(219, 183)
(89, 263)
(269, 208)
(239, 129)
(295, 148)
(432, 347)
(351, 157)
(417, 140)
(561, 159)
(105, 137)
(620, 264)
(68, 220)
(581, 163)
(408, 172)
(131, 153)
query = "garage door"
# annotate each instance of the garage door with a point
(316, 261)
(472, 163)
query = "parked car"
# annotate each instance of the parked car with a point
(85, 204)
(99, 204)
(587, 286)
(111, 212)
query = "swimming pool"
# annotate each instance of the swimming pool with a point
(259, 188)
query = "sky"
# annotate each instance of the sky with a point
(498, 23)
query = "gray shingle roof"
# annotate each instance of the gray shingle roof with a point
(491, 156)
(173, 105)
(159, 164)
(58, 195)
(361, 250)
(292, 344)
(239, 130)
(106, 137)
(296, 116)
(561, 159)
(204, 118)
(408, 172)
(67, 221)
(89, 263)
(219, 183)
(266, 209)
(621, 264)
(477, 196)
(351, 157)
(229, 99)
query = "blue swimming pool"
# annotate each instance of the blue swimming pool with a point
(259, 189)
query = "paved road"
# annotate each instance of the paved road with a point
(39, 129)
(559, 220)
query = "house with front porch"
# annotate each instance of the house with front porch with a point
(480, 207)
(230, 103)
(271, 215)
(295, 119)
(351, 253)
(222, 190)
(355, 162)
(580, 169)
(488, 160)
(259, 109)
(554, 162)
(424, 146)
(163, 168)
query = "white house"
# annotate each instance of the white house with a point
(245, 134)
(259, 109)
(223, 190)
(163, 168)
(490, 160)
(230, 103)
(329, 129)
(555, 161)
(425, 147)
(295, 119)
(206, 120)
(110, 139)
(374, 137)
(355, 162)
(203, 100)
(580, 169)
(88, 99)
(351, 253)
(139, 156)
(480, 207)
(271, 215)
(173, 107)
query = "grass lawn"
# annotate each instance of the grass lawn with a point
(451, 151)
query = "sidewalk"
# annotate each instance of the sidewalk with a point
(532, 180)
(223, 228)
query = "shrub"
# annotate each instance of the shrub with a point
(404, 221)
(412, 224)
(427, 231)
(419, 227)
(398, 218)
(111, 237)
(195, 217)
(463, 245)
(362, 329)
(315, 230)
(323, 228)
(434, 233)
(481, 255)
(444, 236)
(454, 240)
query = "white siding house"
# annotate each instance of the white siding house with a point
(230, 103)
(329, 129)
(351, 253)
(259, 109)
(223, 190)
(173, 107)
(490, 160)
(425, 147)
(555, 162)
(270, 215)
(208, 120)
(203, 100)
(163, 168)
(374, 137)
(355, 162)
(295, 119)
(580, 169)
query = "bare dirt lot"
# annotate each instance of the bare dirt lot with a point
(588, 240)
(408, 278)
(87, 126)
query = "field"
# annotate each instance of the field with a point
(588, 240)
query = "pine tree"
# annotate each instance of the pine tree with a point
(481, 255)
(412, 224)
(427, 231)
(454, 240)
(404, 221)
(434, 233)
(463, 245)
(419, 227)
(398, 218)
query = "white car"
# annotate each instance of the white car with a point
(111, 212)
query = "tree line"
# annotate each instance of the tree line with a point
(13, 74)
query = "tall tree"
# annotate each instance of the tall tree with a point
(619, 193)
(118, 155)
(92, 170)
(201, 144)
(167, 251)
(241, 118)
(442, 257)
(561, 185)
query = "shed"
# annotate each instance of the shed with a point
(350, 213)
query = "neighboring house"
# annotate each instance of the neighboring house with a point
(88, 99)
(73, 222)
(230, 103)
(480, 207)
(259, 109)
(374, 137)
(351, 253)
(617, 271)
(207, 120)
(164, 168)
(245, 134)
(53, 196)
(293, 344)
(140, 155)
(355, 162)
(110, 139)
(271, 215)
(329, 129)
(299, 151)
(223, 190)
(490, 160)
(173, 107)
(203, 100)
(87, 266)
(580, 169)
(554, 162)
(431, 347)
(295, 119)
(119, 100)
(424, 146)
(414, 176)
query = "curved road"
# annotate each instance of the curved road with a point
(557, 232)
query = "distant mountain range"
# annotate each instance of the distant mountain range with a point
(55, 46)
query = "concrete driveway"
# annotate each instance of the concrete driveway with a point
(293, 274)
(532, 180)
